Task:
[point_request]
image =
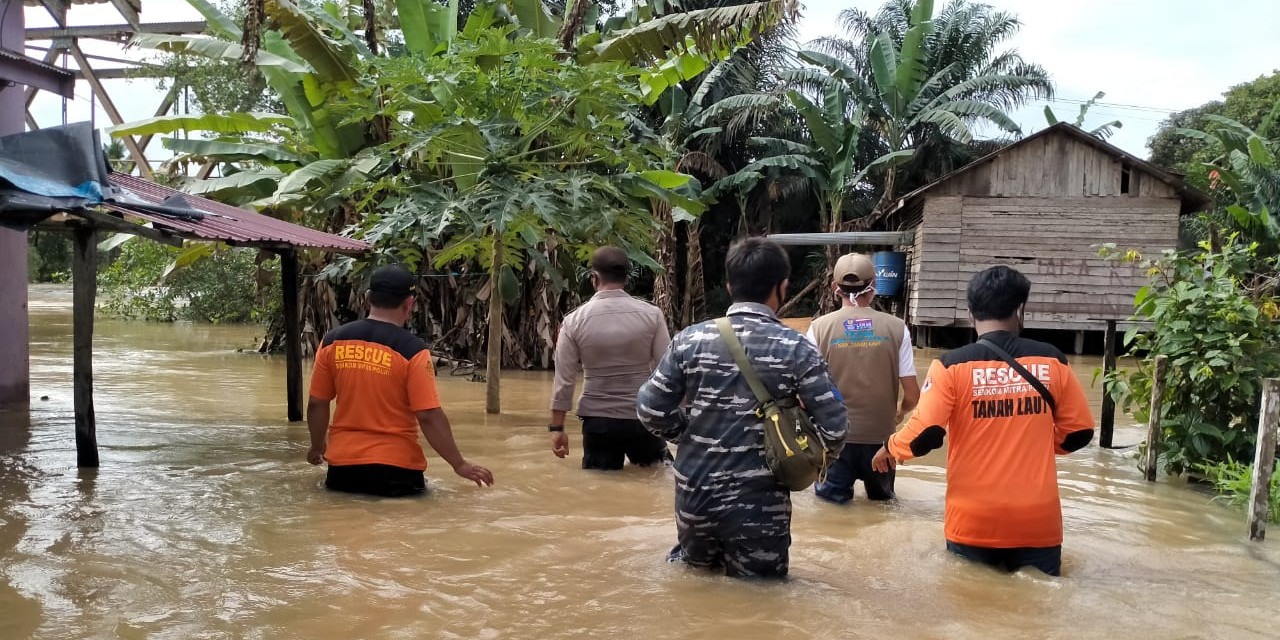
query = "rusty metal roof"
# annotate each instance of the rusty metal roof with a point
(223, 222)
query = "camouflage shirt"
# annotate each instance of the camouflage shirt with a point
(697, 399)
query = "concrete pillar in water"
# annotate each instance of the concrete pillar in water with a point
(15, 381)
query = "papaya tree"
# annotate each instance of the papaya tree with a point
(514, 162)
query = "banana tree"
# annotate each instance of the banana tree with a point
(1101, 132)
(1248, 168)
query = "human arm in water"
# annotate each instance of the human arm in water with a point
(435, 428)
(928, 425)
(1072, 419)
(318, 425)
(567, 367)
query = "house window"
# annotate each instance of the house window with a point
(1124, 178)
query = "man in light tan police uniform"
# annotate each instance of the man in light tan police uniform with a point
(869, 355)
(615, 341)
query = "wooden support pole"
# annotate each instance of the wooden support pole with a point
(1108, 425)
(493, 359)
(1153, 423)
(1264, 459)
(292, 332)
(84, 274)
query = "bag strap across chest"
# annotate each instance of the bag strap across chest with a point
(744, 365)
(1022, 371)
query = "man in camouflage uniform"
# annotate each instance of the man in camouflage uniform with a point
(730, 510)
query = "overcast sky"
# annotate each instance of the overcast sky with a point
(1151, 57)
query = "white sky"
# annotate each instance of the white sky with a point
(1162, 55)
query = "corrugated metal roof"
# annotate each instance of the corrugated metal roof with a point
(226, 223)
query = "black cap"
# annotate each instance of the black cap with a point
(393, 280)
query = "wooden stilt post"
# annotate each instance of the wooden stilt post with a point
(1079, 345)
(1153, 423)
(292, 332)
(1264, 459)
(84, 274)
(493, 359)
(1108, 425)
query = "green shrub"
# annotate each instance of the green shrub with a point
(1207, 313)
(48, 256)
(1234, 480)
(150, 281)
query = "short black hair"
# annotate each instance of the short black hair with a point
(611, 264)
(754, 268)
(383, 300)
(996, 293)
(390, 285)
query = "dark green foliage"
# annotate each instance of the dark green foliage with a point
(1213, 313)
(1234, 481)
(48, 256)
(220, 289)
(1247, 103)
(961, 53)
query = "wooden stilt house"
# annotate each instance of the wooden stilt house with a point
(1043, 205)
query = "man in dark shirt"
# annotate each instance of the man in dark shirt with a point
(731, 511)
(384, 381)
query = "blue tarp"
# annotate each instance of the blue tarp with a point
(64, 169)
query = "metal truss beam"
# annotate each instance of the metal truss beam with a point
(87, 71)
(116, 32)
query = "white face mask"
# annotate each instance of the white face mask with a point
(853, 297)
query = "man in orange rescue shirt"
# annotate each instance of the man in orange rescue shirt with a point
(1002, 504)
(385, 384)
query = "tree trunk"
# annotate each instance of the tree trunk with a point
(574, 15)
(827, 304)
(782, 311)
(664, 282)
(695, 288)
(371, 26)
(493, 360)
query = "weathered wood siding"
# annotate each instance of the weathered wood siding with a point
(1053, 166)
(934, 289)
(1042, 207)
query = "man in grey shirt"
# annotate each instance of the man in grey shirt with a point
(615, 341)
(731, 512)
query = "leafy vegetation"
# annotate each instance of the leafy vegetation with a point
(1214, 309)
(545, 128)
(141, 283)
(1101, 132)
(1234, 480)
(1248, 103)
(1213, 313)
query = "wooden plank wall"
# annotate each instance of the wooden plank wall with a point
(935, 259)
(1042, 207)
(1053, 241)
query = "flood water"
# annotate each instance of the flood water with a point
(205, 521)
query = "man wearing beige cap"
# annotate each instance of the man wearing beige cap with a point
(869, 355)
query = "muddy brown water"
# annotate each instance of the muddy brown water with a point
(204, 521)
